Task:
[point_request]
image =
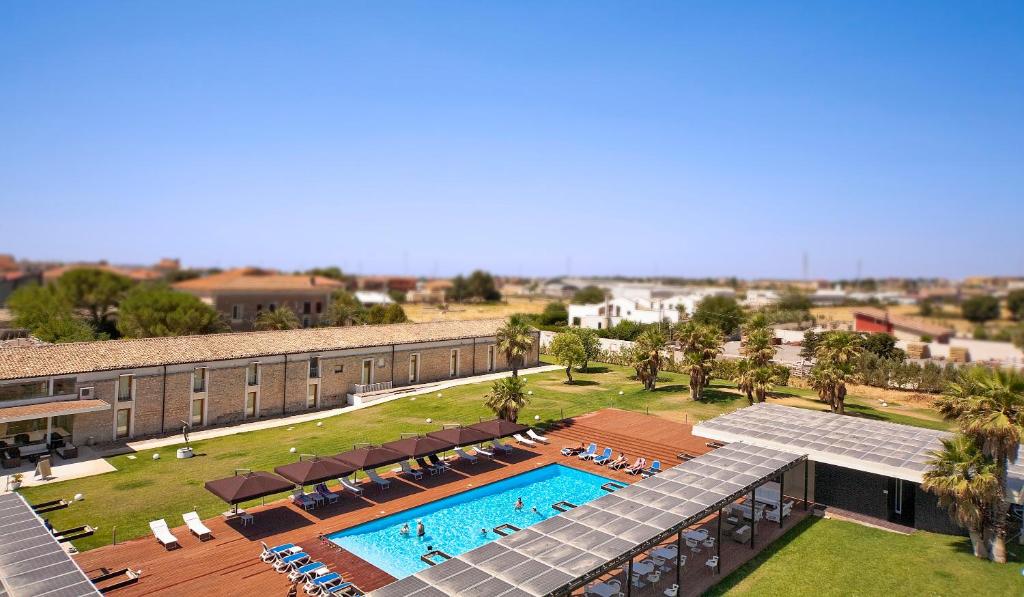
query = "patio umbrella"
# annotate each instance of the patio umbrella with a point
(416, 447)
(370, 457)
(499, 428)
(315, 470)
(242, 488)
(460, 436)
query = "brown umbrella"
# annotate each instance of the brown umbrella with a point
(242, 488)
(370, 457)
(460, 436)
(416, 447)
(314, 470)
(499, 428)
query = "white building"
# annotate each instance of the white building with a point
(758, 298)
(640, 309)
(368, 298)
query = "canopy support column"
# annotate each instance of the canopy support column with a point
(782, 496)
(49, 432)
(679, 555)
(807, 467)
(629, 578)
(718, 543)
(753, 517)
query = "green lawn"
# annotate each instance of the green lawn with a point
(830, 557)
(143, 489)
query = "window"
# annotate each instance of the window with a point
(236, 312)
(125, 387)
(312, 391)
(272, 307)
(490, 358)
(199, 380)
(252, 374)
(307, 308)
(453, 367)
(314, 367)
(63, 385)
(121, 427)
(576, 321)
(366, 376)
(259, 308)
(305, 321)
(319, 307)
(414, 368)
(197, 411)
(21, 391)
(250, 403)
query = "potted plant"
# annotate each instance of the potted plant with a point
(16, 480)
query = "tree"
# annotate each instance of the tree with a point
(480, 285)
(701, 344)
(333, 272)
(344, 310)
(809, 346)
(515, 339)
(156, 310)
(48, 315)
(837, 355)
(884, 346)
(381, 314)
(979, 309)
(588, 295)
(95, 291)
(568, 350)
(507, 397)
(793, 301)
(1015, 303)
(645, 357)
(744, 379)
(759, 345)
(281, 318)
(459, 290)
(591, 344)
(763, 379)
(965, 480)
(722, 312)
(554, 314)
(988, 406)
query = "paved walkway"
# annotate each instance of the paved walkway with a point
(87, 464)
(162, 442)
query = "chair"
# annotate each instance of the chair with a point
(291, 562)
(381, 483)
(478, 451)
(463, 455)
(533, 435)
(163, 534)
(270, 554)
(304, 501)
(306, 572)
(438, 462)
(672, 591)
(314, 585)
(327, 494)
(195, 524)
(523, 440)
(424, 465)
(709, 542)
(500, 446)
(654, 577)
(21, 439)
(604, 458)
(56, 440)
(350, 486)
(11, 458)
(589, 453)
(637, 467)
(339, 589)
(742, 534)
(654, 470)
(712, 563)
(408, 470)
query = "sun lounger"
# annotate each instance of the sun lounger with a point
(313, 586)
(163, 534)
(271, 554)
(523, 440)
(604, 458)
(303, 500)
(408, 470)
(306, 571)
(617, 464)
(349, 485)
(382, 483)
(434, 469)
(637, 467)
(327, 494)
(466, 455)
(195, 524)
(500, 446)
(533, 435)
(345, 588)
(654, 470)
(291, 562)
(477, 450)
(589, 453)
(439, 462)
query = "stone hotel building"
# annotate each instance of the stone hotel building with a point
(99, 392)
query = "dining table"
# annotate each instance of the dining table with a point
(603, 590)
(696, 535)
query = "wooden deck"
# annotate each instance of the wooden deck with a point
(229, 563)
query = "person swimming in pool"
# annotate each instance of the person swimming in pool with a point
(405, 529)
(483, 531)
(534, 509)
(420, 529)
(519, 504)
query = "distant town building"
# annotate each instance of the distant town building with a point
(758, 298)
(242, 294)
(429, 291)
(386, 283)
(635, 307)
(869, 319)
(369, 298)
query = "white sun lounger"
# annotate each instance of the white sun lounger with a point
(349, 485)
(466, 455)
(523, 440)
(163, 534)
(500, 446)
(195, 524)
(482, 452)
(533, 434)
(408, 470)
(382, 483)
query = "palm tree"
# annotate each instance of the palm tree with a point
(759, 347)
(840, 347)
(745, 379)
(515, 339)
(763, 380)
(966, 481)
(837, 354)
(988, 405)
(508, 397)
(701, 345)
(646, 356)
(281, 318)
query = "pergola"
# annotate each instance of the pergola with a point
(564, 553)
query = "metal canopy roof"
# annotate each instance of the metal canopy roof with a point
(567, 551)
(32, 562)
(879, 447)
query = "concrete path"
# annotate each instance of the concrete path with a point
(87, 464)
(162, 442)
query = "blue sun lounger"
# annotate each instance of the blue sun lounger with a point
(604, 457)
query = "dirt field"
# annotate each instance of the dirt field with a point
(421, 312)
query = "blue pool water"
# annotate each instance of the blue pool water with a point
(453, 524)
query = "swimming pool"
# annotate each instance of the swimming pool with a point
(453, 524)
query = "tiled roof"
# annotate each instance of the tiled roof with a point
(248, 280)
(51, 409)
(79, 357)
(907, 323)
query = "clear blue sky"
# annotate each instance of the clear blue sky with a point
(682, 138)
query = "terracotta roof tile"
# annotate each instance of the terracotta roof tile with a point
(244, 279)
(79, 357)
